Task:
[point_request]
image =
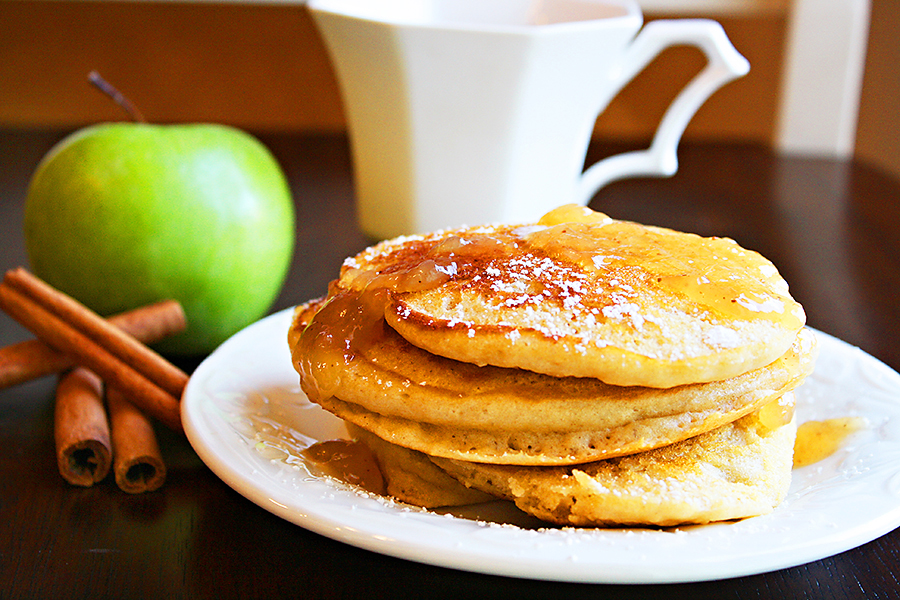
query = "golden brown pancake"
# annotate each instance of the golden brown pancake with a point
(411, 477)
(739, 470)
(580, 294)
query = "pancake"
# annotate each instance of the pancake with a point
(739, 470)
(411, 477)
(581, 294)
(511, 416)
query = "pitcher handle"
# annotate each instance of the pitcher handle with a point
(724, 64)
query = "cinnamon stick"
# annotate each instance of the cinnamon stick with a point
(137, 463)
(93, 351)
(122, 345)
(32, 359)
(81, 430)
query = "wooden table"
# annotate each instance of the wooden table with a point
(833, 228)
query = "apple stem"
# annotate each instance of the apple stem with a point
(117, 96)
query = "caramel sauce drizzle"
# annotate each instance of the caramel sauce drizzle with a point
(703, 269)
(777, 413)
(817, 440)
(348, 461)
(353, 317)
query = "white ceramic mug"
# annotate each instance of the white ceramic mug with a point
(481, 111)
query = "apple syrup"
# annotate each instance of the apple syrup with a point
(817, 440)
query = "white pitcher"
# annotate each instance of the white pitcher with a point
(481, 111)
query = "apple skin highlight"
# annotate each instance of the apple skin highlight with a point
(119, 215)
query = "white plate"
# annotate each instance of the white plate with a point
(247, 419)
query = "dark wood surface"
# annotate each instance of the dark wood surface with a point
(832, 228)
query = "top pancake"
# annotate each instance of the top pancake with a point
(580, 294)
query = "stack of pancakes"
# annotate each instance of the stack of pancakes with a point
(593, 371)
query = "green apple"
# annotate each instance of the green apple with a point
(119, 215)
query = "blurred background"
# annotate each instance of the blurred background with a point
(261, 66)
